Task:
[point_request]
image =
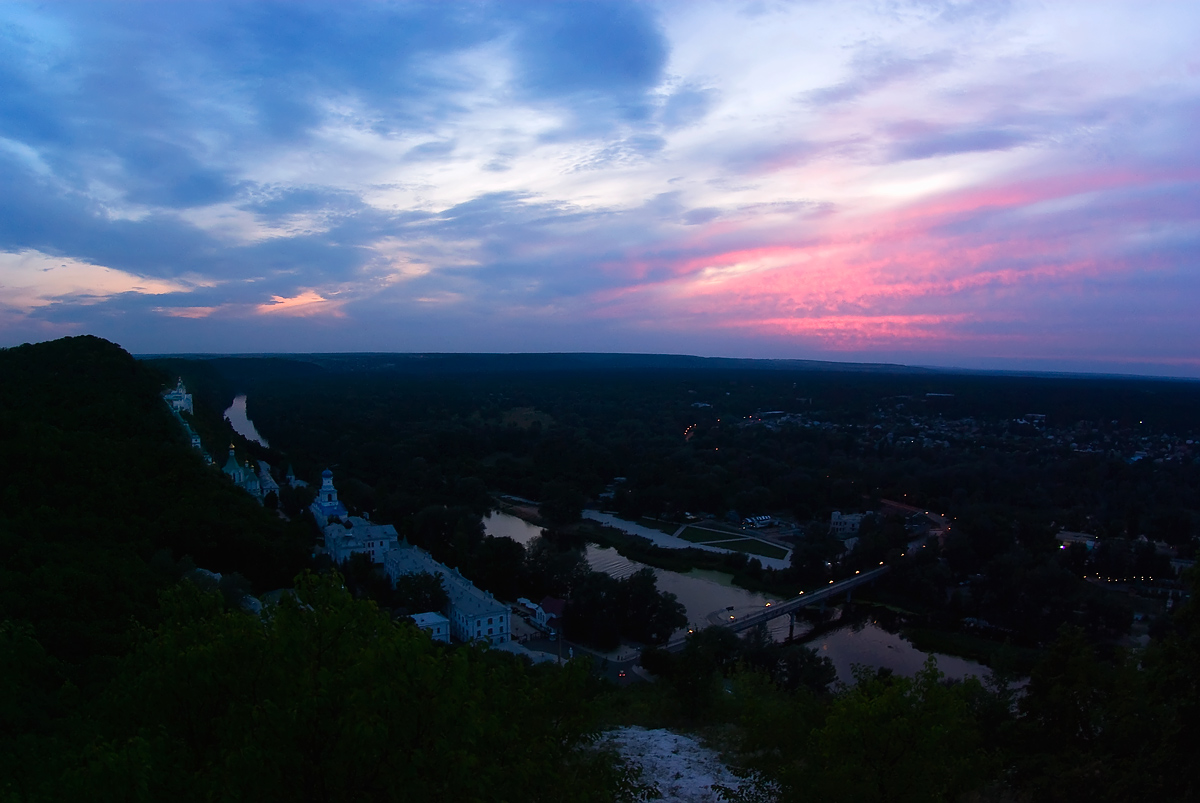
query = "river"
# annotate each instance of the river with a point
(241, 423)
(707, 594)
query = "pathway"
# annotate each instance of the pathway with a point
(659, 538)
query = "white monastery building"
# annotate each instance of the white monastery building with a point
(326, 506)
(243, 477)
(474, 615)
(372, 540)
(179, 399)
(436, 625)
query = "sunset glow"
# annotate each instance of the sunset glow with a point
(1003, 185)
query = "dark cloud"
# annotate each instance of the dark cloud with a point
(596, 48)
(297, 200)
(686, 106)
(429, 151)
(946, 143)
(695, 217)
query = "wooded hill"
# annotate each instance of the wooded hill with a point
(122, 683)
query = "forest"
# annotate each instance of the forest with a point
(125, 680)
(425, 441)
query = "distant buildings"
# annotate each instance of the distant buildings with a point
(1066, 538)
(845, 525)
(757, 522)
(473, 615)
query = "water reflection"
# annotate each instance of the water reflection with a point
(701, 592)
(855, 639)
(241, 423)
(846, 636)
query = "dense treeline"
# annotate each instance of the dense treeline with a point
(1080, 728)
(121, 683)
(411, 445)
(406, 440)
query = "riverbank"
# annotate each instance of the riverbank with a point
(902, 616)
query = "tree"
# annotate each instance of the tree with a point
(591, 615)
(646, 614)
(497, 566)
(420, 592)
(553, 569)
(325, 699)
(562, 504)
(895, 739)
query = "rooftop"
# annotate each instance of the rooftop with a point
(472, 602)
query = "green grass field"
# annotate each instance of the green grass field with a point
(698, 536)
(752, 547)
(732, 541)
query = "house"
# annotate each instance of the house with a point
(474, 615)
(436, 625)
(543, 619)
(354, 535)
(845, 525)
(326, 506)
(552, 609)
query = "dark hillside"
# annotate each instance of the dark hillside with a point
(121, 683)
(102, 496)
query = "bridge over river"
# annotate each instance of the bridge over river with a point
(776, 609)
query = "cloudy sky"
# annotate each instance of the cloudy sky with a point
(981, 184)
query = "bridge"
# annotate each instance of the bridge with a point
(802, 600)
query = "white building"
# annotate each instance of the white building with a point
(436, 625)
(846, 525)
(372, 540)
(326, 506)
(474, 615)
(179, 399)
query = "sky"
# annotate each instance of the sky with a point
(994, 184)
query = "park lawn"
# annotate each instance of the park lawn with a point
(699, 535)
(753, 547)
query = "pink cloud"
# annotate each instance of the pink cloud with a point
(307, 303)
(960, 267)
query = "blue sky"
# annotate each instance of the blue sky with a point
(987, 184)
